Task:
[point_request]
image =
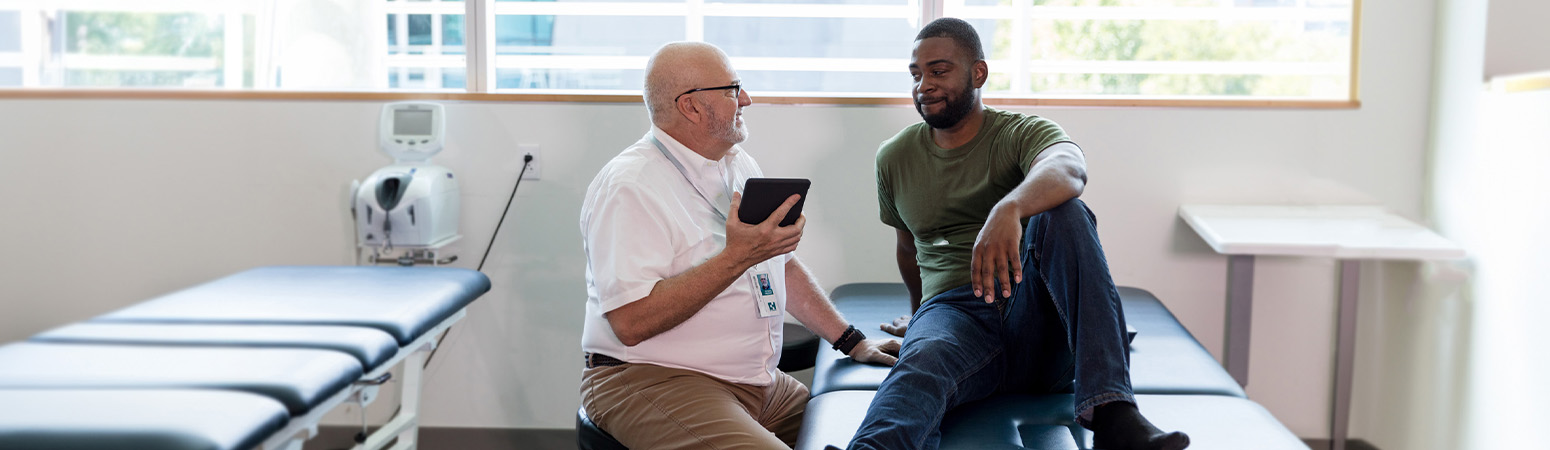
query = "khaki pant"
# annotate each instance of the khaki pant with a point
(646, 406)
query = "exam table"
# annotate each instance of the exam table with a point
(1176, 381)
(252, 360)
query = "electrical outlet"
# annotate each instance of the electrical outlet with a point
(534, 168)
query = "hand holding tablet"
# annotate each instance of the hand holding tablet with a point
(762, 196)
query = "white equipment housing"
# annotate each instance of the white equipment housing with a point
(412, 203)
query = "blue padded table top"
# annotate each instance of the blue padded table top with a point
(1046, 422)
(405, 302)
(372, 347)
(300, 379)
(137, 419)
(1164, 357)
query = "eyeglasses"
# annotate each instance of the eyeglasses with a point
(737, 91)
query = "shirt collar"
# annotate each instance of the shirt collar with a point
(690, 158)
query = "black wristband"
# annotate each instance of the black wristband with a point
(848, 340)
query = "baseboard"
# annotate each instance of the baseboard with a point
(450, 438)
(1350, 444)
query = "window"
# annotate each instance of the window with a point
(1123, 49)
(1165, 48)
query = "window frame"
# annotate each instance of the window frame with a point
(481, 73)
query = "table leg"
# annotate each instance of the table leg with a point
(1240, 302)
(1345, 353)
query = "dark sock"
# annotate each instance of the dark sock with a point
(1120, 426)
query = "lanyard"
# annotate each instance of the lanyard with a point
(685, 173)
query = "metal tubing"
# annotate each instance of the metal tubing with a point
(1240, 316)
(1345, 353)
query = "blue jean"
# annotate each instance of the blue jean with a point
(1061, 330)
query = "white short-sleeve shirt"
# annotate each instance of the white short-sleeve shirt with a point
(642, 222)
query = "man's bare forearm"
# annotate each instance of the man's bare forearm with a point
(1056, 176)
(808, 304)
(673, 300)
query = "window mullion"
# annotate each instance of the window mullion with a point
(433, 73)
(1022, 51)
(231, 54)
(478, 45)
(32, 46)
(694, 20)
(930, 10)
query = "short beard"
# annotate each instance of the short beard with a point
(726, 129)
(956, 109)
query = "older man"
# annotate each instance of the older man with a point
(680, 350)
(1018, 296)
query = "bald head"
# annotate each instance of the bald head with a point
(678, 67)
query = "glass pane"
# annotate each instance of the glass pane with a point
(523, 34)
(143, 34)
(1177, 3)
(10, 76)
(392, 33)
(1169, 47)
(10, 31)
(631, 80)
(779, 81)
(143, 50)
(811, 37)
(995, 36)
(1298, 86)
(426, 51)
(597, 1)
(584, 35)
(1191, 40)
(822, 2)
(427, 78)
(452, 34)
(454, 80)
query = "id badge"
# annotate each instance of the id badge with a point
(764, 293)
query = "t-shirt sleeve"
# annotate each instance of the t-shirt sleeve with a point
(1037, 134)
(887, 209)
(629, 245)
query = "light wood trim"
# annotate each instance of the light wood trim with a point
(1356, 51)
(1178, 103)
(185, 94)
(1521, 83)
(179, 94)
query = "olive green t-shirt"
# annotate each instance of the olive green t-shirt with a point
(943, 196)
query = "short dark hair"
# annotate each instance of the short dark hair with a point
(959, 31)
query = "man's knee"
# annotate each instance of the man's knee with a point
(1071, 215)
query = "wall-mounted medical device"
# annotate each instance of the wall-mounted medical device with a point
(411, 204)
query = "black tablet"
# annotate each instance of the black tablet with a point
(762, 196)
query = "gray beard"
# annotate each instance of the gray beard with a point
(727, 131)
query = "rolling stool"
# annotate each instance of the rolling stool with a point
(590, 437)
(798, 353)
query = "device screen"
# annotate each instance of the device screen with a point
(412, 122)
(762, 196)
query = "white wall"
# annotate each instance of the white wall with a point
(1488, 192)
(1516, 36)
(109, 202)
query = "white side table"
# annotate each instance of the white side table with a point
(1349, 234)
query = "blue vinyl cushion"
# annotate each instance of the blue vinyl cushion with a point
(405, 302)
(1164, 357)
(136, 419)
(1046, 422)
(372, 347)
(300, 379)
